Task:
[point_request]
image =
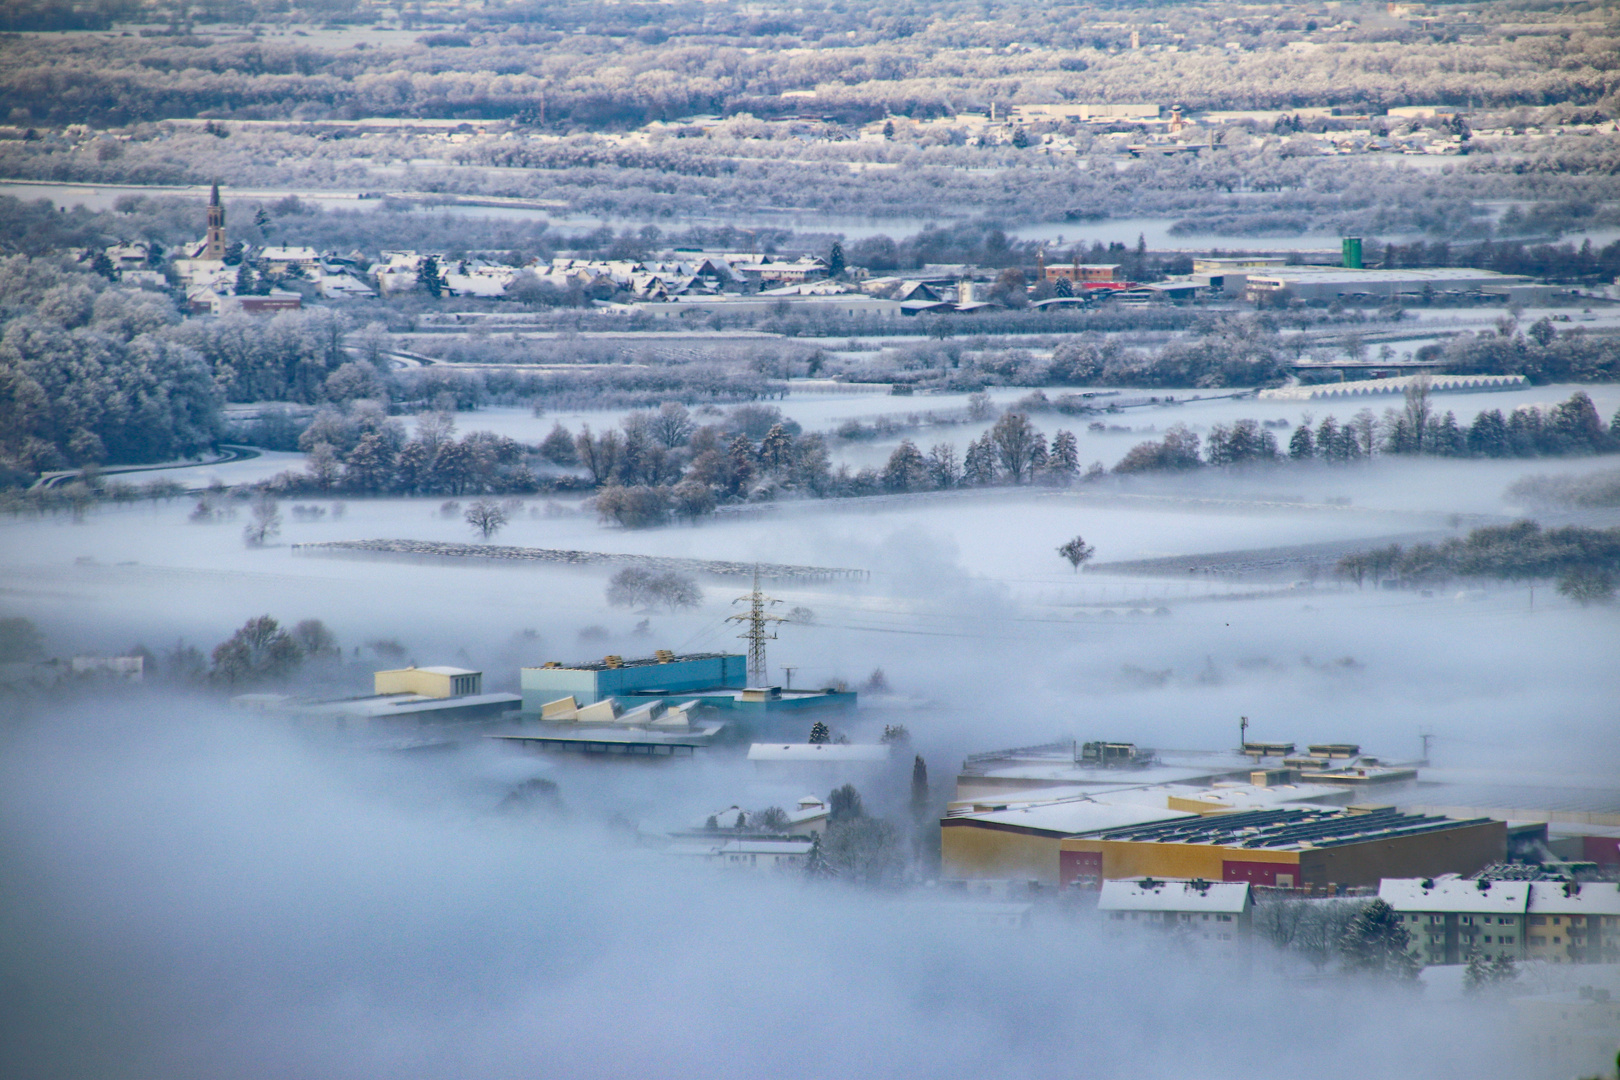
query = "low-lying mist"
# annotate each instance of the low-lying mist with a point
(193, 890)
(194, 895)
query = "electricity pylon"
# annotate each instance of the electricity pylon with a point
(756, 618)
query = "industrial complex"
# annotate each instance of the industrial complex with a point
(1166, 834)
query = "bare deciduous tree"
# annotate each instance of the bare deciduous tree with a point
(637, 587)
(1076, 551)
(266, 523)
(486, 516)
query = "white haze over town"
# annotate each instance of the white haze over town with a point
(209, 894)
(192, 891)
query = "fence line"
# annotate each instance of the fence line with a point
(435, 549)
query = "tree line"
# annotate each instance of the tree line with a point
(1571, 428)
(91, 374)
(622, 65)
(1583, 560)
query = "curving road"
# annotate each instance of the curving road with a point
(228, 453)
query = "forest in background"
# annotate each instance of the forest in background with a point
(563, 82)
(595, 65)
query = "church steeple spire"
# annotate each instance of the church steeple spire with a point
(214, 246)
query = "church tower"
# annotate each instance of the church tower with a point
(214, 246)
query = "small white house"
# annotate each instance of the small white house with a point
(743, 854)
(284, 258)
(810, 816)
(1212, 910)
(819, 753)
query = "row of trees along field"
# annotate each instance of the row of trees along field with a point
(670, 463)
(1572, 428)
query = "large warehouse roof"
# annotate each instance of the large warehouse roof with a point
(1284, 829)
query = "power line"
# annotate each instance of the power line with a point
(757, 619)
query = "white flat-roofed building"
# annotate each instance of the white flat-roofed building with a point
(819, 753)
(1331, 283)
(1083, 112)
(843, 304)
(1212, 910)
(280, 258)
(744, 854)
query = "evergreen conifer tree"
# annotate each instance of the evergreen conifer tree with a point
(1375, 943)
(816, 866)
(919, 788)
(1301, 444)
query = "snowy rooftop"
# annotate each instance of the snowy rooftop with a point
(1072, 816)
(1582, 898)
(1285, 828)
(1449, 893)
(1068, 772)
(1156, 894)
(1253, 796)
(818, 752)
(740, 847)
(386, 705)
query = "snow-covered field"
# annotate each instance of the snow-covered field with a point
(968, 608)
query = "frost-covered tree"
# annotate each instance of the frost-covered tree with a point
(1063, 462)
(266, 523)
(906, 470)
(979, 464)
(260, 649)
(1014, 441)
(943, 471)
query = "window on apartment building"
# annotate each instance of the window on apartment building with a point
(1537, 939)
(1506, 939)
(1226, 918)
(1558, 941)
(1557, 921)
(1487, 939)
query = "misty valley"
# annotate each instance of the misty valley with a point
(745, 540)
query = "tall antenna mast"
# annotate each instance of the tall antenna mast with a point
(756, 618)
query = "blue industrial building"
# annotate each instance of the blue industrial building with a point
(612, 676)
(716, 680)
